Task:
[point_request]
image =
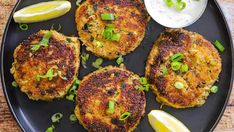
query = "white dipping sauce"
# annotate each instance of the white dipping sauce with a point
(170, 17)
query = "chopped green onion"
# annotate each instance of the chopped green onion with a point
(107, 16)
(73, 118)
(219, 46)
(124, 116)
(56, 117)
(180, 5)
(176, 57)
(139, 87)
(109, 34)
(44, 42)
(97, 63)
(50, 129)
(175, 66)
(120, 60)
(214, 89)
(143, 81)
(84, 58)
(58, 29)
(147, 86)
(111, 107)
(164, 71)
(98, 43)
(184, 68)
(70, 97)
(49, 74)
(169, 3)
(23, 26)
(77, 81)
(78, 2)
(60, 75)
(179, 85)
(14, 84)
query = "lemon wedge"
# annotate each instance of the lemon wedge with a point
(164, 122)
(42, 11)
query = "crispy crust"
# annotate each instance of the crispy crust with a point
(101, 86)
(204, 67)
(28, 64)
(131, 21)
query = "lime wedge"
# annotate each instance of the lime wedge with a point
(42, 11)
(164, 122)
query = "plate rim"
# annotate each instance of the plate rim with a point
(21, 125)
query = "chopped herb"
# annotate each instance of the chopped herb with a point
(178, 5)
(44, 42)
(50, 74)
(120, 60)
(176, 57)
(23, 26)
(58, 29)
(69, 40)
(50, 129)
(111, 107)
(214, 89)
(169, 3)
(78, 2)
(97, 63)
(98, 43)
(109, 34)
(14, 84)
(139, 87)
(73, 90)
(124, 116)
(144, 85)
(175, 66)
(73, 118)
(179, 85)
(56, 117)
(219, 46)
(84, 58)
(163, 70)
(107, 16)
(184, 68)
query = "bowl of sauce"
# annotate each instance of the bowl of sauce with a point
(175, 13)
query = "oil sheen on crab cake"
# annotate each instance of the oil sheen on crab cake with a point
(130, 21)
(60, 56)
(204, 67)
(104, 85)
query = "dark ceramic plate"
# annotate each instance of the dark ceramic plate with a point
(34, 116)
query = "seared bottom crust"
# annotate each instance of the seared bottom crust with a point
(61, 51)
(104, 85)
(202, 59)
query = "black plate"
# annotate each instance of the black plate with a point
(35, 115)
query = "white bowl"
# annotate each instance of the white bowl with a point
(170, 17)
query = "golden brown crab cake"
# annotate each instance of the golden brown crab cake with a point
(61, 57)
(202, 59)
(130, 21)
(104, 85)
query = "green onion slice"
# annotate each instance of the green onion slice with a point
(219, 46)
(44, 42)
(214, 89)
(56, 117)
(143, 81)
(177, 57)
(14, 84)
(169, 3)
(97, 63)
(84, 58)
(163, 70)
(184, 68)
(180, 5)
(73, 118)
(107, 16)
(23, 26)
(139, 87)
(50, 129)
(111, 107)
(109, 34)
(175, 66)
(124, 116)
(179, 85)
(120, 60)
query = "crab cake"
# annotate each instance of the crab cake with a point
(45, 72)
(182, 67)
(98, 89)
(110, 28)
